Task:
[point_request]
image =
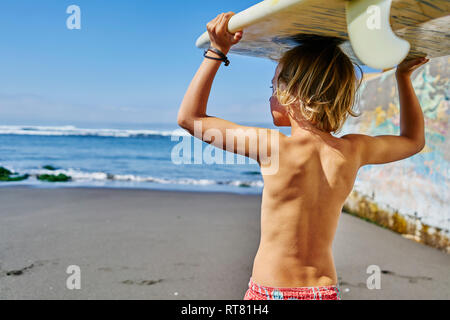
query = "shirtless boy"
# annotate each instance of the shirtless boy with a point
(314, 90)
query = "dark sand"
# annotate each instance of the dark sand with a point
(142, 244)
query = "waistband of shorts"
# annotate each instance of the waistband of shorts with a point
(293, 291)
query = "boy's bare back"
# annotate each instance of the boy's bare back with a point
(302, 202)
(300, 210)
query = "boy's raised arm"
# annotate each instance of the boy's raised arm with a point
(192, 113)
(193, 106)
(411, 115)
(388, 148)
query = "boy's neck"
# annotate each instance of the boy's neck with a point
(300, 127)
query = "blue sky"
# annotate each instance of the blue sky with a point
(131, 62)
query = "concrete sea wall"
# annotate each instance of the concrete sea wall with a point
(410, 196)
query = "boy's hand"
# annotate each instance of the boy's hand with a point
(408, 66)
(218, 33)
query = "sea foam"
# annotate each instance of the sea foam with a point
(74, 131)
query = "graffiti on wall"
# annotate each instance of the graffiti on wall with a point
(416, 187)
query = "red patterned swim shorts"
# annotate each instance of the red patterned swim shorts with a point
(258, 292)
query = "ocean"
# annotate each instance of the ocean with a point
(142, 157)
(118, 157)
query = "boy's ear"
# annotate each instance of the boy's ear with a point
(282, 119)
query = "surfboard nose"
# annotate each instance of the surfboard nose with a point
(202, 41)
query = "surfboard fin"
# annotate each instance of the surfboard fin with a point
(371, 36)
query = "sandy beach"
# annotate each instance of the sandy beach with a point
(145, 244)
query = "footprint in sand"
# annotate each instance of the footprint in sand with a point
(142, 282)
(21, 271)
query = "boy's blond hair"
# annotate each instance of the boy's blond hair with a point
(318, 83)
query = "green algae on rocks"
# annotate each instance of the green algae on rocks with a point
(49, 167)
(7, 175)
(53, 177)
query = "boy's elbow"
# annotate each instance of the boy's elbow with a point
(186, 123)
(182, 122)
(416, 144)
(183, 119)
(419, 146)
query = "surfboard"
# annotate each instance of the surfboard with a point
(376, 33)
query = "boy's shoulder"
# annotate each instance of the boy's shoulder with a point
(354, 137)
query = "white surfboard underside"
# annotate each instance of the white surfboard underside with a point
(271, 27)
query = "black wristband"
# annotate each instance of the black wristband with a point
(223, 57)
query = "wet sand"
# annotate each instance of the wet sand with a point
(145, 244)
